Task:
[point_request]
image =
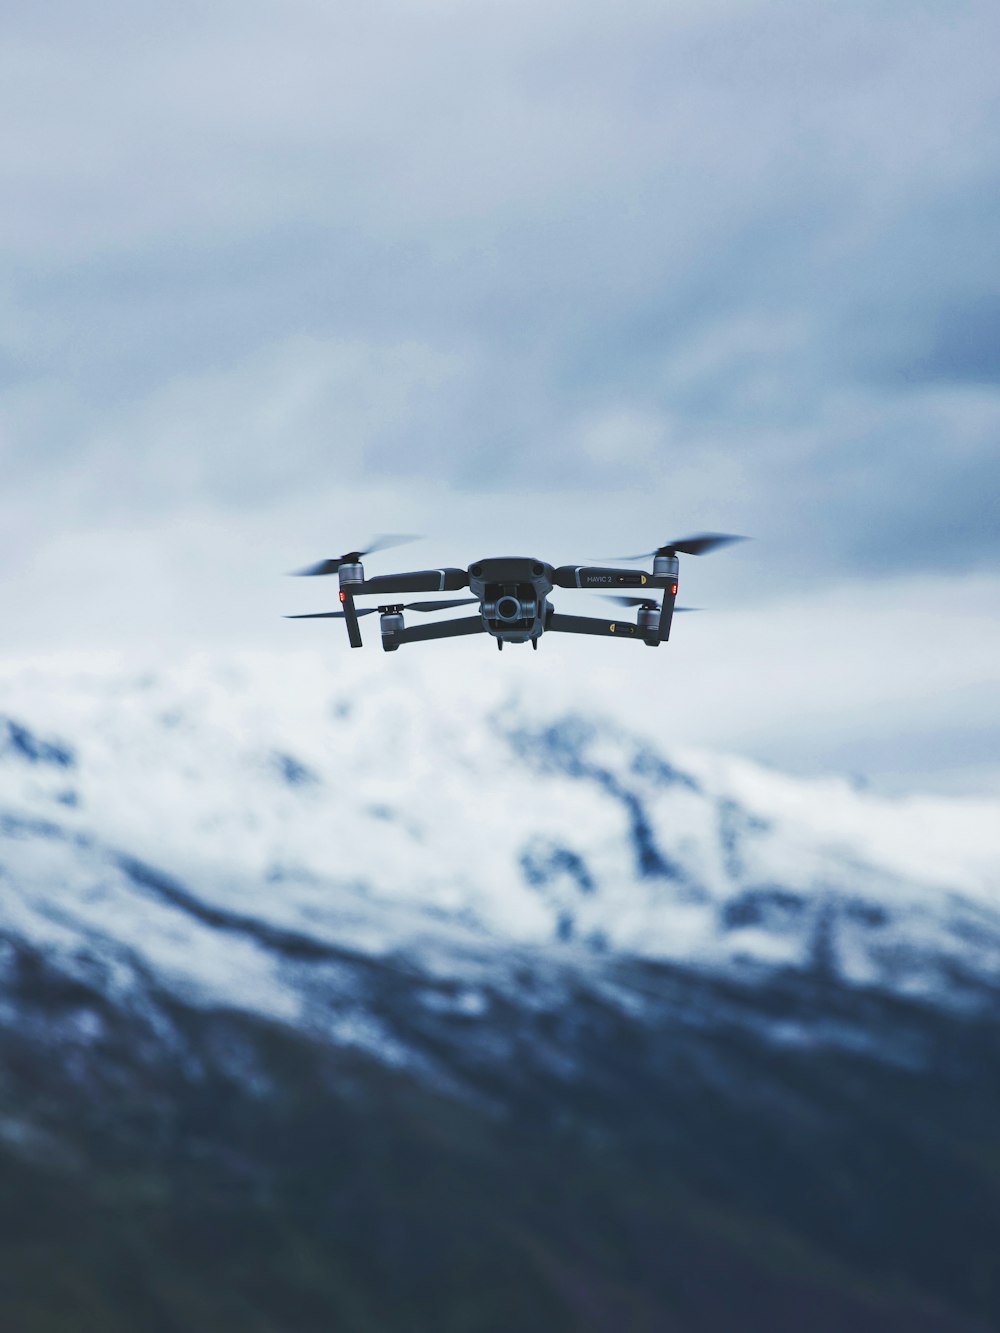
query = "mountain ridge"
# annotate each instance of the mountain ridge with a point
(325, 1009)
(529, 829)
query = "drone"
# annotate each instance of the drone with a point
(512, 592)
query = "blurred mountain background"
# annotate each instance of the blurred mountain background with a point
(326, 1010)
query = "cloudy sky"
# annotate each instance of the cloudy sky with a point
(563, 279)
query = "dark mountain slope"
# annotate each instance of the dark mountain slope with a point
(428, 1019)
(189, 1169)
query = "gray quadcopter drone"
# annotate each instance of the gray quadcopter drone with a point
(512, 592)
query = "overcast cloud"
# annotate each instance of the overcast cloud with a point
(276, 276)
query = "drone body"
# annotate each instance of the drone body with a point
(512, 592)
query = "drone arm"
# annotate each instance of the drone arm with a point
(667, 611)
(445, 629)
(614, 629)
(598, 577)
(420, 580)
(351, 618)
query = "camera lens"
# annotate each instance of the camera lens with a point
(508, 608)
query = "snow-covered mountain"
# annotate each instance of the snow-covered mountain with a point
(384, 1001)
(191, 816)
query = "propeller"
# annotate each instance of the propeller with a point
(641, 601)
(445, 605)
(699, 545)
(353, 557)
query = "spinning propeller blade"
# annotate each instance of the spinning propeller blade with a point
(699, 545)
(445, 605)
(642, 601)
(334, 615)
(439, 606)
(353, 557)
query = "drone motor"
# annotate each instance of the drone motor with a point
(666, 567)
(391, 625)
(648, 621)
(351, 574)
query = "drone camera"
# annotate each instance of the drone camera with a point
(510, 605)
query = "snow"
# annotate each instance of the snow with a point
(930, 840)
(399, 813)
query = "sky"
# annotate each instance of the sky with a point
(561, 279)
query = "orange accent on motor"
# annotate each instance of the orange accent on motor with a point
(343, 596)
